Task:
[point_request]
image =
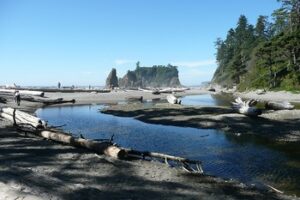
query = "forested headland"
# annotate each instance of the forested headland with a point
(265, 55)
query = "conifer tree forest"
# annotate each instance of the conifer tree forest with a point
(265, 55)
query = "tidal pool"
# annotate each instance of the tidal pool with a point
(249, 159)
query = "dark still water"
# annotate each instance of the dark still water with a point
(248, 159)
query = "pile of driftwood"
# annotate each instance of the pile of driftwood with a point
(248, 107)
(28, 123)
(34, 96)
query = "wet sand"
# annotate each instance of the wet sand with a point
(33, 168)
(281, 126)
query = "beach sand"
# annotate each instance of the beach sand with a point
(34, 168)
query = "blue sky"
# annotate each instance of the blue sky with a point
(77, 42)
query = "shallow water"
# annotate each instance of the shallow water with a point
(246, 158)
(207, 100)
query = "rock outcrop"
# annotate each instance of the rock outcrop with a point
(112, 79)
(156, 76)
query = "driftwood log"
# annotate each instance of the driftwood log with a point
(23, 92)
(187, 164)
(47, 101)
(173, 100)
(171, 90)
(18, 117)
(28, 123)
(131, 99)
(246, 107)
(103, 147)
(272, 105)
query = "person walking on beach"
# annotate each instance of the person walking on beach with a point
(17, 97)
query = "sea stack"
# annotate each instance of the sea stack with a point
(112, 79)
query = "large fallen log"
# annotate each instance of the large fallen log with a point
(28, 123)
(173, 100)
(19, 117)
(272, 105)
(47, 101)
(172, 90)
(144, 90)
(105, 147)
(24, 92)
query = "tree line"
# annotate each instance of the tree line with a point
(264, 55)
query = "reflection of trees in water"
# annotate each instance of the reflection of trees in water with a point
(222, 99)
(269, 162)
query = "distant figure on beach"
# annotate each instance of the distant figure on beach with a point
(58, 85)
(17, 97)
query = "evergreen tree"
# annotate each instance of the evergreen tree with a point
(270, 49)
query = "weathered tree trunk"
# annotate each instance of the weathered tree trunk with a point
(186, 163)
(173, 100)
(47, 101)
(19, 117)
(272, 105)
(106, 148)
(160, 156)
(24, 92)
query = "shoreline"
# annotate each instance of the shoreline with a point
(28, 170)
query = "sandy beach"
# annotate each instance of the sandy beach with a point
(33, 168)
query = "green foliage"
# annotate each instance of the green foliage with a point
(155, 76)
(264, 56)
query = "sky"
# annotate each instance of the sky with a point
(78, 42)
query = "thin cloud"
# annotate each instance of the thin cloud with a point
(87, 73)
(124, 61)
(194, 64)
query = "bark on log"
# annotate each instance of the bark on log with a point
(106, 148)
(24, 92)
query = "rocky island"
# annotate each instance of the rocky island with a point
(155, 76)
